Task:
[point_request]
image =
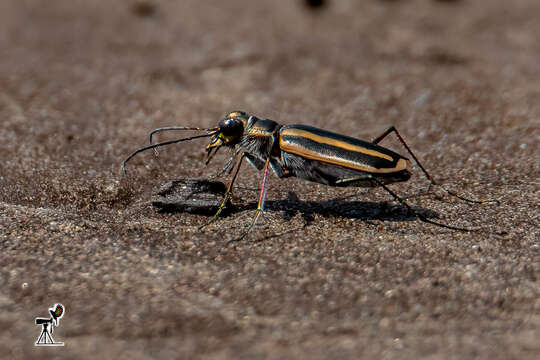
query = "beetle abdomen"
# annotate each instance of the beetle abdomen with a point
(335, 175)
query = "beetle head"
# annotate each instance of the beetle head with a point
(231, 129)
(229, 132)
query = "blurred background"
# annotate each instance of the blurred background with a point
(83, 82)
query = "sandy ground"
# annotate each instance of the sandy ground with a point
(328, 273)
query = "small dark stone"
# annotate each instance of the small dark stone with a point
(443, 56)
(197, 196)
(144, 9)
(315, 3)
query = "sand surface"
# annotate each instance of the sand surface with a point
(329, 273)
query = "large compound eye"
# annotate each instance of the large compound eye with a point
(231, 127)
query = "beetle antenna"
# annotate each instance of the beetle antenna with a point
(169, 128)
(165, 143)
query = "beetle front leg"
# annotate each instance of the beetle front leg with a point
(260, 206)
(227, 196)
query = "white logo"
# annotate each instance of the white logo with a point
(45, 338)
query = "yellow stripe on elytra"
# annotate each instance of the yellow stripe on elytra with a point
(318, 156)
(334, 142)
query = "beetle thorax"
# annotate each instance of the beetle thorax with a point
(259, 138)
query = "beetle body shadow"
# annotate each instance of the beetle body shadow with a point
(342, 207)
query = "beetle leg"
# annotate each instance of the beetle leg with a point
(383, 135)
(404, 202)
(428, 176)
(414, 212)
(355, 181)
(260, 206)
(255, 162)
(280, 171)
(228, 167)
(227, 194)
(286, 174)
(210, 155)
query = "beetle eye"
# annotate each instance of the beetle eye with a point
(230, 126)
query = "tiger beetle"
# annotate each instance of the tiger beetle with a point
(306, 152)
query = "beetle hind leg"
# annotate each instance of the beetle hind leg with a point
(392, 129)
(376, 182)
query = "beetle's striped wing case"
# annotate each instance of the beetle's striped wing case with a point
(331, 148)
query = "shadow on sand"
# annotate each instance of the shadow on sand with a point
(341, 207)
